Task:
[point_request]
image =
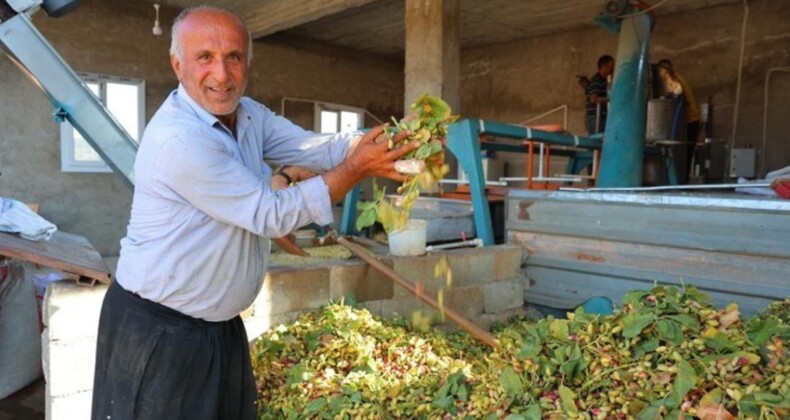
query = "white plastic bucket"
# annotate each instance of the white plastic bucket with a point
(409, 241)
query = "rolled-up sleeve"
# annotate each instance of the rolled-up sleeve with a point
(315, 194)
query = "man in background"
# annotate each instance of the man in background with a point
(676, 86)
(597, 96)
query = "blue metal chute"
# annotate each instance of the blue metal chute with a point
(71, 99)
(623, 151)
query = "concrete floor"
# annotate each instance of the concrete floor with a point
(26, 404)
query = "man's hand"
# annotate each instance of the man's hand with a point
(371, 158)
(297, 173)
(288, 243)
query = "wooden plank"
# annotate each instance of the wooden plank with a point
(564, 275)
(65, 252)
(742, 275)
(696, 226)
(267, 17)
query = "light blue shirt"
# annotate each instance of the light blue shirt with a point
(203, 209)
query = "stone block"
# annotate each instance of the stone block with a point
(255, 326)
(415, 269)
(471, 266)
(468, 267)
(507, 261)
(69, 407)
(286, 291)
(258, 325)
(466, 301)
(68, 365)
(71, 311)
(364, 282)
(503, 295)
(486, 321)
(247, 313)
(405, 307)
(286, 318)
(374, 306)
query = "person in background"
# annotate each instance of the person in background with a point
(171, 343)
(597, 97)
(676, 86)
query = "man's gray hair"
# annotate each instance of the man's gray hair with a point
(175, 42)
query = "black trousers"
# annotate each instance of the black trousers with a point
(153, 362)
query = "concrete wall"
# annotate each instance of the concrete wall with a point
(96, 39)
(487, 286)
(514, 81)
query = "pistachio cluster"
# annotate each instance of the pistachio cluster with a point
(668, 353)
(428, 125)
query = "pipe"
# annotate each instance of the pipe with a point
(579, 178)
(466, 181)
(477, 243)
(563, 108)
(740, 77)
(623, 149)
(764, 149)
(675, 187)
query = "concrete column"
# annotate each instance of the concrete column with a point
(433, 51)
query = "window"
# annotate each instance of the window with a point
(125, 99)
(334, 118)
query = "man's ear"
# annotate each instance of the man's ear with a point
(176, 64)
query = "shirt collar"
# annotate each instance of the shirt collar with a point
(200, 112)
(242, 117)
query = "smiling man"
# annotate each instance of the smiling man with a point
(171, 343)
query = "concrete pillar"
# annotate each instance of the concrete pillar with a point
(433, 51)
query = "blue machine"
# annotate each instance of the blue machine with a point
(622, 152)
(463, 142)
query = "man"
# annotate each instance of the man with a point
(675, 85)
(171, 343)
(597, 97)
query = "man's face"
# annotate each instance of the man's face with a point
(212, 65)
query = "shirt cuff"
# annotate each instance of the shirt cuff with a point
(315, 194)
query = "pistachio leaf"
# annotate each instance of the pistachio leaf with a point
(511, 382)
(634, 324)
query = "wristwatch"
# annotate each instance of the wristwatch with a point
(284, 175)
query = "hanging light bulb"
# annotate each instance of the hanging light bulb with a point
(157, 30)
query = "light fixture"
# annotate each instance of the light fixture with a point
(157, 30)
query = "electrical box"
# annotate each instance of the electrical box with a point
(742, 163)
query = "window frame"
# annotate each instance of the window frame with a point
(339, 109)
(67, 144)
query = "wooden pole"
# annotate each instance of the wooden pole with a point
(453, 316)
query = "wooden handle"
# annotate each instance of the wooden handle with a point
(453, 316)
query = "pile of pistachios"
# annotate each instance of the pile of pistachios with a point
(667, 353)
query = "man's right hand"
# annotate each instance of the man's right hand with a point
(371, 158)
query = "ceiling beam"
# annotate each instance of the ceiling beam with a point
(270, 16)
